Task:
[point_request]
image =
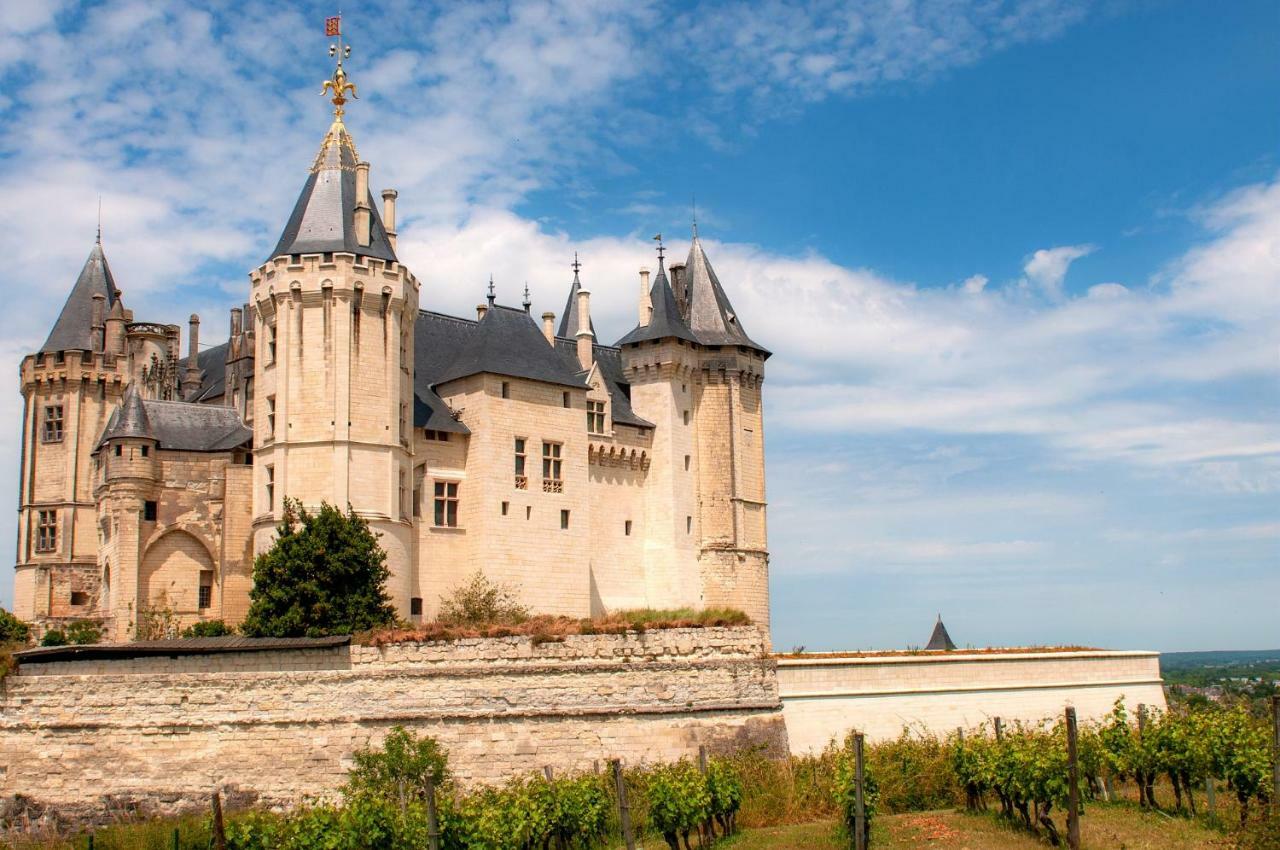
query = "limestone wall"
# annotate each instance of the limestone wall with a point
(283, 724)
(826, 696)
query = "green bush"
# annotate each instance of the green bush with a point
(679, 801)
(724, 784)
(13, 630)
(481, 602)
(54, 637)
(401, 765)
(208, 628)
(83, 632)
(846, 790)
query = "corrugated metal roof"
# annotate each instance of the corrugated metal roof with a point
(185, 646)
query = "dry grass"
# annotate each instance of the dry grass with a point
(546, 628)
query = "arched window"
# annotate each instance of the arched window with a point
(105, 603)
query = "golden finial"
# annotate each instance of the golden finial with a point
(338, 82)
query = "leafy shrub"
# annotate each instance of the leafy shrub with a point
(83, 632)
(913, 772)
(208, 628)
(402, 765)
(13, 630)
(481, 602)
(845, 786)
(679, 801)
(54, 637)
(157, 621)
(724, 784)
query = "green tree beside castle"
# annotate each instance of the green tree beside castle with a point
(325, 575)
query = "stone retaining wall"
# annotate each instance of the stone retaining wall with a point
(282, 725)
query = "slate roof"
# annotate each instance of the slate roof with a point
(323, 219)
(609, 360)
(73, 329)
(666, 321)
(177, 425)
(940, 639)
(185, 646)
(213, 372)
(505, 342)
(711, 317)
(569, 318)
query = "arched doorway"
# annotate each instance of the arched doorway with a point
(174, 571)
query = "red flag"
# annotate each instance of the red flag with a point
(333, 26)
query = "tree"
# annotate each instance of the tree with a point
(13, 630)
(324, 575)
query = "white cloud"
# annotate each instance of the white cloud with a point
(1047, 267)
(975, 284)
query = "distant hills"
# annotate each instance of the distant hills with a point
(1244, 659)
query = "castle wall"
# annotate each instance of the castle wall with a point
(827, 696)
(284, 724)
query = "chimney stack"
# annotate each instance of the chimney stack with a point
(237, 322)
(549, 327)
(97, 333)
(481, 309)
(646, 303)
(363, 215)
(389, 214)
(191, 380)
(585, 338)
(114, 341)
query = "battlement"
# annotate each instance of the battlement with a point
(337, 261)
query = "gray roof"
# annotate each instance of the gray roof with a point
(183, 646)
(212, 363)
(323, 219)
(505, 342)
(711, 317)
(609, 360)
(74, 328)
(666, 321)
(940, 639)
(177, 425)
(569, 319)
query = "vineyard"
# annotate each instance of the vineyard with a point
(1215, 766)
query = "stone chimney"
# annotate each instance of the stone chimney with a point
(97, 330)
(191, 380)
(114, 342)
(481, 309)
(237, 322)
(646, 304)
(585, 338)
(549, 327)
(363, 215)
(389, 214)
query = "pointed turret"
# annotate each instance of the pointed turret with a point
(74, 327)
(336, 206)
(711, 317)
(665, 321)
(129, 421)
(569, 318)
(940, 640)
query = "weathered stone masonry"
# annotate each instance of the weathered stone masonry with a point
(284, 724)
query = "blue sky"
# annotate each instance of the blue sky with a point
(1019, 263)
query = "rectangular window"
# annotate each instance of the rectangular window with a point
(688, 525)
(415, 606)
(506, 389)
(248, 399)
(564, 519)
(595, 417)
(119, 450)
(271, 487)
(404, 497)
(436, 436)
(686, 417)
(552, 482)
(522, 482)
(686, 463)
(271, 342)
(149, 511)
(79, 597)
(206, 590)
(446, 504)
(52, 430)
(146, 450)
(566, 400)
(271, 417)
(46, 531)
(505, 507)
(627, 528)
(404, 421)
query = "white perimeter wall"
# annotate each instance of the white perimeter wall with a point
(826, 696)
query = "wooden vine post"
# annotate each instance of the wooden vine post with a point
(219, 833)
(1073, 777)
(1142, 734)
(859, 800)
(433, 819)
(708, 826)
(624, 810)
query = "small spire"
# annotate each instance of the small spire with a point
(661, 250)
(338, 82)
(493, 295)
(576, 265)
(695, 216)
(99, 239)
(527, 302)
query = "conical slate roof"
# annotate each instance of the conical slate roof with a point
(711, 317)
(666, 321)
(508, 342)
(74, 327)
(129, 419)
(940, 639)
(569, 318)
(323, 219)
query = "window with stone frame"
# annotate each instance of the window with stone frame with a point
(446, 504)
(522, 480)
(595, 417)
(271, 487)
(46, 531)
(552, 478)
(51, 430)
(271, 342)
(271, 417)
(205, 598)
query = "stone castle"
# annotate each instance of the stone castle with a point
(588, 477)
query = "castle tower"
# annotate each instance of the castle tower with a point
(333, 313)
(69, 388)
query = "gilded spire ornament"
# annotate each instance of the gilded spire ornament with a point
(338, 84)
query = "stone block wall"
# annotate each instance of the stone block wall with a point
(282, 725)
(826, 696)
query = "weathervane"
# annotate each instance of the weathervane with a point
(338, 83)
(658, 239)
(576, 265)
(527, 303)
(493, 293)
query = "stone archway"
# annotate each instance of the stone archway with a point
(173, 571)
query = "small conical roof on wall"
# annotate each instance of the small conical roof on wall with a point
(129, 419)
(940, 639)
